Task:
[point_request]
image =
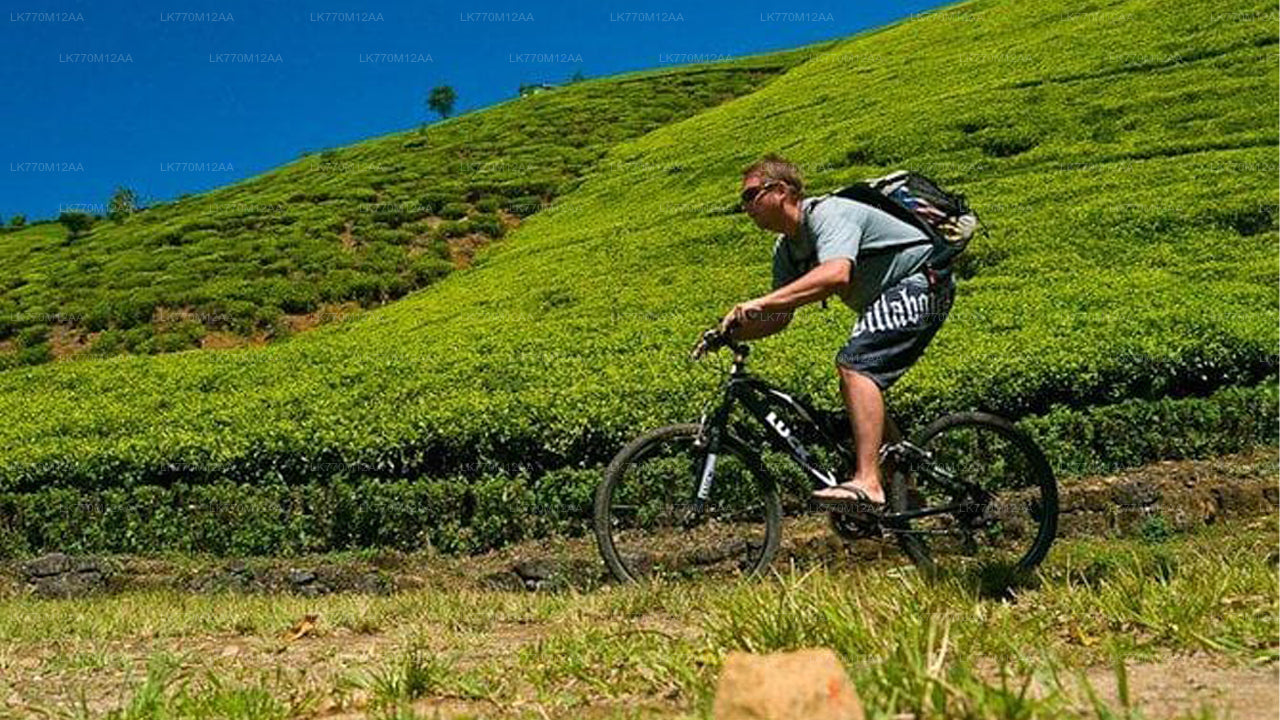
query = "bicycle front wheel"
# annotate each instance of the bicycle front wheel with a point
(646, 522)
(1000, 491)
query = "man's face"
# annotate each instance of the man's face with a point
(762, 201)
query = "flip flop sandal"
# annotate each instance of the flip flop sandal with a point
(855, 501)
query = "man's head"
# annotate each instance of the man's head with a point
(771, 192)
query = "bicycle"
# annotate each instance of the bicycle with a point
(703, 498)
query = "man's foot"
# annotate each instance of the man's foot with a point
(848, 498)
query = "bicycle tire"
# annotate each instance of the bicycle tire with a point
(605, 518)
(1040, 478)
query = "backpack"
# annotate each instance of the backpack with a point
(944, 217)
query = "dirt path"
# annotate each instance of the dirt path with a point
(1180, 685)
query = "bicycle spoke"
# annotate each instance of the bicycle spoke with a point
(982, 485)
(654, 529)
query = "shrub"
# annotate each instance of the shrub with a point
(33, 335)
(35, 354)
(488, 224)
(425, 269)
(124, 202)
(232, 510)
(454, 228)
(183, 336)
(108, 343)
(454, 210)
(76, 223)
(433, 202)
(525, 205)
(391, 215)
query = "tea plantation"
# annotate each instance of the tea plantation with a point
(1123, 153)
(363, 224)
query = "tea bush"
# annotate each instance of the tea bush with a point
(1123, 306)
(184, 252)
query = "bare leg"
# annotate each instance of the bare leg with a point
(865, 405)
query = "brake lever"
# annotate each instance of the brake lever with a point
(703, 346)
(699, 350)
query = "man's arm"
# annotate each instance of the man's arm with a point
(771, 313)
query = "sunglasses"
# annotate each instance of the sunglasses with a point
(750, 194)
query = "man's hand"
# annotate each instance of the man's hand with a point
(742, 314)
(753, 320)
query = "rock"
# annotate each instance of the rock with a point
(544, 574)
(301, 577)
(809, 684)
(535, 570)
(47, 565)
(711, 555)
(58, 575)
(311, 590)
(389, 559)
(640, 563)
(372, 583)
(88, 565)
(1135, 494)
(502, 581)
(1237, 501)
(68, 585)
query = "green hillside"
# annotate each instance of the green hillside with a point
(337, 230)
(1124, 155)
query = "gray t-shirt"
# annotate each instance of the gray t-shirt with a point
(834, 227)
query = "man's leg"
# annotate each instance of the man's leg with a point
(865, 405)
(888, 338)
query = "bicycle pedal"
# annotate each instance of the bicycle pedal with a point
(851, 529)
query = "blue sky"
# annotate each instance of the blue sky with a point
(99, 94)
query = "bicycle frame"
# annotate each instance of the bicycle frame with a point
(762, 400)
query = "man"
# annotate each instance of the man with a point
(875, 263)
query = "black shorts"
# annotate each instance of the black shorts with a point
(893, 331)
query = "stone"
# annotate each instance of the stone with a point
(508, 581)
(301, 577)
(535, 570)
(47, 565)
(544, 574)
(312, 590)
(68, 585)
(1135, 494)
(809, 684)
(1237, 501)
(724, 551)
(89, 565)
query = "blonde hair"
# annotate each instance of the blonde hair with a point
(773, 167)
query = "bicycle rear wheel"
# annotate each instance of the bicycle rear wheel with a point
(645, 523)
(1002, 492)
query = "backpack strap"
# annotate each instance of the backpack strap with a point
(867, 195)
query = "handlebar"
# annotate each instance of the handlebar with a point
(713, 340)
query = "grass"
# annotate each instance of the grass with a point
(1096, 613)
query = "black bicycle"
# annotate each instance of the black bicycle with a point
(704, 498)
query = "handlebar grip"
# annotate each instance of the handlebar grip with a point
(710, 340)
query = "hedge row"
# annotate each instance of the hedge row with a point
(472, 514)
